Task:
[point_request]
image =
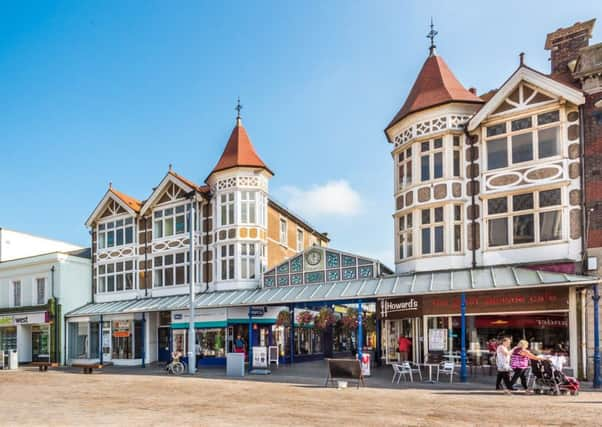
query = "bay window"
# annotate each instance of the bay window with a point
(523, 140)
(456, 156)
(248, 207)
(432, 231)
(405, 223)
(115, 233)
(226, 209)
(171, 221)
(457, 228)
(226, 257)
(404, 168)
(525, 218)
(247, 260)
(116, 277)
(431, 159)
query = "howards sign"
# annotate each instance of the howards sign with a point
(400, 308)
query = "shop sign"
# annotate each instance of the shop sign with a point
(27, 319)
(258, 311)
(6, 320)
(121, 334)
(200, 315)
(532, 299)
(400, 308)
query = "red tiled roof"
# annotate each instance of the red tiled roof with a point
(199, 188)
(239, 152)
(435, 85)
(135, 204)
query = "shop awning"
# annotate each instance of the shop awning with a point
(423, 283)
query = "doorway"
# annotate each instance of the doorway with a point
(164, 341)
(40, 350)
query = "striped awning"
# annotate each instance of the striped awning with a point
(422, 283)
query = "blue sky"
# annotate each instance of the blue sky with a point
(94, 92)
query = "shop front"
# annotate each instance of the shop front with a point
(27, 333)
(432, 323)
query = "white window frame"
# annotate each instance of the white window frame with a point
(248, 207)
(170, 214)
(535, 211)
(44, 299)
(405, 237)
(431, 153)
(17, 288)
(104, 228)
(300, 239)
(534, 130)
(432, 225)
(164, 270)
(103, 276)
(283, 233)
(404, 161)
(226, 209)
(227, 258)
(248, 261)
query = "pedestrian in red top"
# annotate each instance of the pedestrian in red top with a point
(404, 348)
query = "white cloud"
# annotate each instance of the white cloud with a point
(335, 198)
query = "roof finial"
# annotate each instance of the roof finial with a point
(238, 108)
(110, 185)
(431, 35)
(170, 168)
(522, 58)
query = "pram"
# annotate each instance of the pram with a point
(550, 380)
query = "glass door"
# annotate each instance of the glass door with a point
(40, 350)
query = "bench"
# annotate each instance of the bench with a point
(87, 367)
(349, 369)
(43, 366)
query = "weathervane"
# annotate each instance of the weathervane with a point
(238, 108)
(431, 35)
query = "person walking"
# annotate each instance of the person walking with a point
(519, 362)
(502, 360)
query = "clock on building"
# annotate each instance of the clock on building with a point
(313, 257)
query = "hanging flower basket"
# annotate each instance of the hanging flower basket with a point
(349, 321)
(284, 319)
(305, 318)
(324, 319)
(369, 322)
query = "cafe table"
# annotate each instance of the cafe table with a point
(430, 366)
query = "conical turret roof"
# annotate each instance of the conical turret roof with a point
(435, 85)
(239, 152)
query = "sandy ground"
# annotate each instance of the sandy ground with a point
(28, 397)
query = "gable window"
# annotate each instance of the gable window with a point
(171, 221)
(432, 234)
(404, 168)
(283, 231)
(405, 224)
(226, 209)
(299, 240)
(525, 218)
(116, 277)
(431, 159)
(41, 291)
(247, 260)
(171, 270)
(115, 233)
(17, 293)
(528, 138)
(226, 253)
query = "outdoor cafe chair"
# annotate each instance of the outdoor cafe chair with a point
(414, 367)
(446, 368)
(400, 370)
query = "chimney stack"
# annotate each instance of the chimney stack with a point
(564, 44)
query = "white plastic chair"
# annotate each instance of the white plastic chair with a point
(414, 367)
(400, 370)
(446, 368)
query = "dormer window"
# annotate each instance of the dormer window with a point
(116, 233)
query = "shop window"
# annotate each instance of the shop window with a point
(226, 209)
(115, 233)
(211, 342)
(116, 277)
(126, 342)
(78, 340)
(171, 221)
(8, 338)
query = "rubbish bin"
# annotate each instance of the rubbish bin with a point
(235, 365)
(13, 359)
